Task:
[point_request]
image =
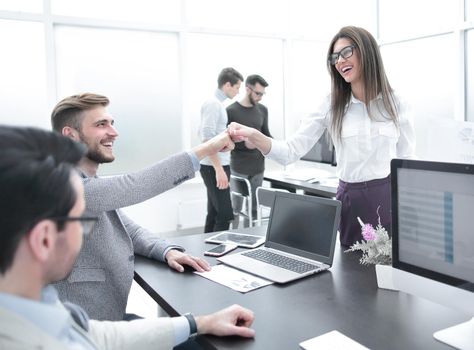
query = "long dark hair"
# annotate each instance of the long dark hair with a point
(374, 79)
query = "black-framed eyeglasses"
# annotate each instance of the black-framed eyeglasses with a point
(345, 53)
(258, 93)
(87, 222)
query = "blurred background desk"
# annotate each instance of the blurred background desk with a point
(279, 179)
(345, 298)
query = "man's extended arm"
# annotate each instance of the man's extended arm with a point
(114, 192)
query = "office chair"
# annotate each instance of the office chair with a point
(241, 195)
(265, 199)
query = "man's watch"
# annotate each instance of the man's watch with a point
(192, 323)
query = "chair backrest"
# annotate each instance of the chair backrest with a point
(265, 198)
(240, 185)
(241, 193)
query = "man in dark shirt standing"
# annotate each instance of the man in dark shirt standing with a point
(245, 160)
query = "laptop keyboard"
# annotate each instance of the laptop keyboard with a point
(280, 260)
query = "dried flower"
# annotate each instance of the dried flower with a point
(377, 245)
(368, 232)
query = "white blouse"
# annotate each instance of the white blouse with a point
(367, 145)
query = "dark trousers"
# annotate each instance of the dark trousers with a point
(219, 207)
(362, 199)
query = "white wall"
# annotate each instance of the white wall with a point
(180, 208)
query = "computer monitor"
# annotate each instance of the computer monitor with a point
(433, 238)
(322, 152)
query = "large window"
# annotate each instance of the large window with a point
(139, 72)
(469, 7)
(309, 81)
(470, 75)
(426, 83)
(158, 60)
(321, 20)
(403, 19)
(22, 5)
(162, 12)
(256, 17)
(206, 55)
(23, 86)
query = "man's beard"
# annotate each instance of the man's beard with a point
(252, 101)
(94, 154)
(98, 158)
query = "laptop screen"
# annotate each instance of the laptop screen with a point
(304, 225)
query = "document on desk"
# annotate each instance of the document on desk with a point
(333, 340)
(233, 278)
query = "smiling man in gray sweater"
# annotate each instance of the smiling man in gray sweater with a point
(102, 275)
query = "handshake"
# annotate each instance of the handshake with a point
(226, 140)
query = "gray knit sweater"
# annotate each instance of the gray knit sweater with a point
(102, 275)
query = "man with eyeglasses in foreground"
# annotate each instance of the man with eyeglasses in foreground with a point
(42, 206)
(245, 160)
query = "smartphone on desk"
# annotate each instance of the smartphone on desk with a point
(220, 250)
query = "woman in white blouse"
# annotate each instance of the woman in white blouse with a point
(368, 124)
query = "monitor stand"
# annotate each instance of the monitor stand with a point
(460, 336)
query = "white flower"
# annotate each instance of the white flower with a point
(376, 246)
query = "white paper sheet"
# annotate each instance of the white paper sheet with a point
(233, 278)
(333, 340)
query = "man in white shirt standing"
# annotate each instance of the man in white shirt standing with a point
(215, 170)
(42, 222)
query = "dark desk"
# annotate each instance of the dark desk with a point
(277, 180)
(346, 299)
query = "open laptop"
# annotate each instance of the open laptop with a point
(300, 241)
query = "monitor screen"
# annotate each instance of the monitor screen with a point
(433, 218)
(322, 152)
(433, 235)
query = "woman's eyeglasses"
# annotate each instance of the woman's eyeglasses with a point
(87, 222)
(345, 53)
